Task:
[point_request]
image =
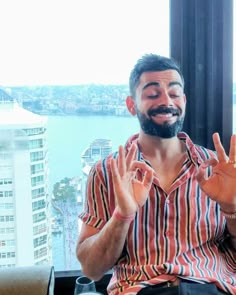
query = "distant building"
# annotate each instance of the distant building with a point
(24, 211)
(98, 149)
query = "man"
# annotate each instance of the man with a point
(162, 211)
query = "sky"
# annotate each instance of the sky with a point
(66, 42)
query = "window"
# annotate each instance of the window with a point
(9, 243)
(4, 156)
(37, 168)
(6, 206)
(42, 228)
(38, 205)
(41, 253)
(39, 192)
(40, 241)
(4, 181)
(65, 85)
(39, 217)
(7, 230)
(6, 194)
(6, 218)
(36, 156)
(37, 180)
(36, 143)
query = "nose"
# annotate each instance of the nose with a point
(165, 99)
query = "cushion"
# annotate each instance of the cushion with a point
(32, 280)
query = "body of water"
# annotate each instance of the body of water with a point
(68, 137)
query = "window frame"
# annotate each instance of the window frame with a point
(180, 38)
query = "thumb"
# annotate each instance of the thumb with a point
(201, 173)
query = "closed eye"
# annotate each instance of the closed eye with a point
(174, 95)
(153, 96)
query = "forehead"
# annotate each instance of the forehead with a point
(163, 78)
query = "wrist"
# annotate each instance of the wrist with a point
(125, 218)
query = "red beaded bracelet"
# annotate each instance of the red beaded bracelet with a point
(121, 217)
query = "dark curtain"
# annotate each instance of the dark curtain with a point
(201, 34)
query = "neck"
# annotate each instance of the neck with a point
(165, 148)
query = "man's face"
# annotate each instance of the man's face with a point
(160, 103)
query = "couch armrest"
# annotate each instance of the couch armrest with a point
(32, 280)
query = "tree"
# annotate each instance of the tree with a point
(63, 190)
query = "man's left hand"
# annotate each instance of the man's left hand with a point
(221, 185)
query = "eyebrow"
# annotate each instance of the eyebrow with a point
(158, 84)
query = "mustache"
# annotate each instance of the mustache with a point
(164, 110)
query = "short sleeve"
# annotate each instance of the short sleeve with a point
(96, 210)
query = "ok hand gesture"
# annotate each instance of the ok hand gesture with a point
(221, 185)
(130, 190)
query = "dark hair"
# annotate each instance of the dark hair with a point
(151, 63)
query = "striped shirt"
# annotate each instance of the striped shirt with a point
(180, 233)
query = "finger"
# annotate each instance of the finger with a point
(201, 175)
(114, 170)
(131, 155)
(148, 178)
(232, 150)
(219, 148)
(140, 165)
(146, 171)
(121, 161)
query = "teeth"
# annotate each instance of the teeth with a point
(164, 115)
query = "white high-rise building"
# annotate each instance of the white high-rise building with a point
(24, 199)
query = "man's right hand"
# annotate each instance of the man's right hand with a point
(132, 181)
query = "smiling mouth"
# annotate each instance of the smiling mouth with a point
(164, 116)
(164, 112)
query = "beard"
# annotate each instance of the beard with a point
(165, 130)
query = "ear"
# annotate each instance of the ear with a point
(131, 105)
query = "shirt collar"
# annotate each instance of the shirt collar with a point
(190, 147)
